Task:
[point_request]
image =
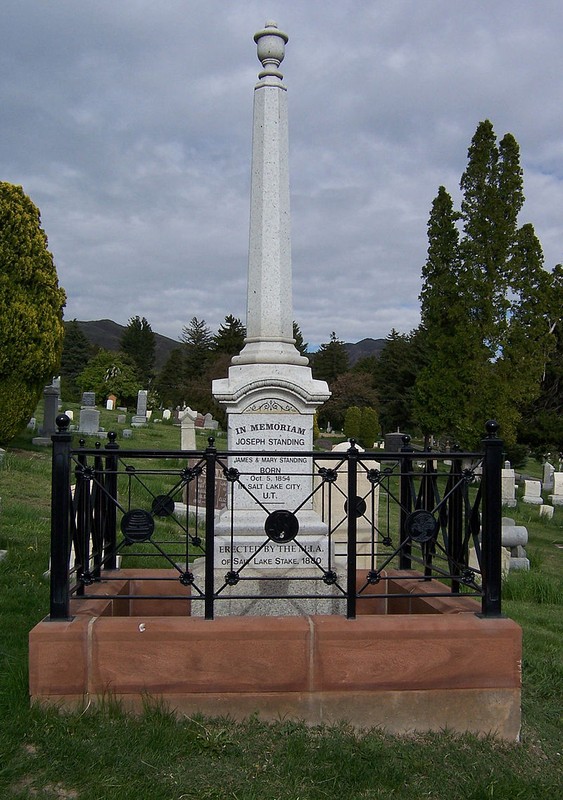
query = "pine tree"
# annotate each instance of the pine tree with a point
(229, 339)
(331, 360)
(31, 310)
(77, 351)
(300, 344)
(198, 348)
(170, 382)
(139, 343)
(394, 377)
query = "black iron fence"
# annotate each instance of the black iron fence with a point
(421, 516)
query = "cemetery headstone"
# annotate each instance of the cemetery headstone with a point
(393, 442)
(109, 404)
(548, 471)
(121, 419)
(187, 419)
(546, 511)
(127, 433)
(532, 493)
(88, 399)
(51, 407)
(508, 486)
(166, 414)
(89, 421)
(70, 414)
(140, 418)
(557, 496)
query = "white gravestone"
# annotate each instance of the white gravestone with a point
(508, 484)
(166, 414)
(546, 511)
(366, 525)
(187, 419)
(557, 496)
(548, 471)
(532, 493)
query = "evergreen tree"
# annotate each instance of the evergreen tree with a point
(441, 396)
(77, 351)
(394, 378)
(331, 360)
(352, 421)
(170, 382)
(198, 348)
(369, 427)
(229, 339)
(484, 300)
(139, 343)
(301, 345)
(541, 426)
(31, 310)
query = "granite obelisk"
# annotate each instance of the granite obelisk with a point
(270, 394)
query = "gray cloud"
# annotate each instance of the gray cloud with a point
(129, 124)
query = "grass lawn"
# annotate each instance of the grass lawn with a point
(105, 754)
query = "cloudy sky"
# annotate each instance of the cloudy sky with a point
(128, 122)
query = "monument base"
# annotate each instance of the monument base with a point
(269, 593)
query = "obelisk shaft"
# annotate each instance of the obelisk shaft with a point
(269, 318)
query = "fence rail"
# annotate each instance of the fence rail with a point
(423, 515)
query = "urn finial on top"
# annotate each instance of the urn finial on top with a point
(270, 45)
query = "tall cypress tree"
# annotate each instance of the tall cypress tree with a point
(484, 302)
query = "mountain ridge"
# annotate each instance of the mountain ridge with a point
(106, 333)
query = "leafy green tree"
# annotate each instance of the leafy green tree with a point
(111, 373)
(77, 351)
(31, 308)
(229, 339)
(369, 427)
(352, 421)
(138, 342)
(349, 389)
(330, 361)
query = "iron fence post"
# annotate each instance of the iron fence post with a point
(60, 522)
(492, 522)
(456, 555)
(352, 528)
(406, 499)
(110, 503)
(210, 467)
